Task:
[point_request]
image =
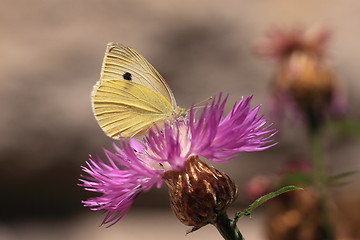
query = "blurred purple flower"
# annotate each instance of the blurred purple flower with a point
(259, 185)
(304, 83)
(140, 164)
(279, 43)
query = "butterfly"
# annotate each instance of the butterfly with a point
(131, 95)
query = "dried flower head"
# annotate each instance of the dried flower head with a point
(171, 152)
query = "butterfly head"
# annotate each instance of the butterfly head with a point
(180, 112)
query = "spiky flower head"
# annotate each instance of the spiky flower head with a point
(138, 165)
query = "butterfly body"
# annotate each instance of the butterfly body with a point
(131, 95)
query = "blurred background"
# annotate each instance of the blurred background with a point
(51, 54)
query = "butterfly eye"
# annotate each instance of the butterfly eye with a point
(127, 76)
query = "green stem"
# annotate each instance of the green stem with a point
(228, 230)
(325, 229)
(317, 156)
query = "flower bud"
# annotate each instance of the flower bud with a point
(310, 82)
(199, 194)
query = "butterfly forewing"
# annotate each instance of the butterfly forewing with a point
(124, 63)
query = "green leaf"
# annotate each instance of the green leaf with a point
(341, 178)
(346, 127)
(261, 200)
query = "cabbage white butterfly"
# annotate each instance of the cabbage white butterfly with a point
(130, 95)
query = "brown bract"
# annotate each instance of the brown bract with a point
(199, 194)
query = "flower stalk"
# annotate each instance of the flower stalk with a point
(227, 228)
(326, 227)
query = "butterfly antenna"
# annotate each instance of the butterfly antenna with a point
(198, 105)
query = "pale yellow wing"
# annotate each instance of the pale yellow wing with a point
(128, 109)
(124, 63)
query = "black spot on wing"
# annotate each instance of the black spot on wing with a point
(127, 76)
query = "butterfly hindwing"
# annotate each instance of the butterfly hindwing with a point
(128, 108)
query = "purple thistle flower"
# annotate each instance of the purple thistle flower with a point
(212, 136)
(127, 174)
(140, 164)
